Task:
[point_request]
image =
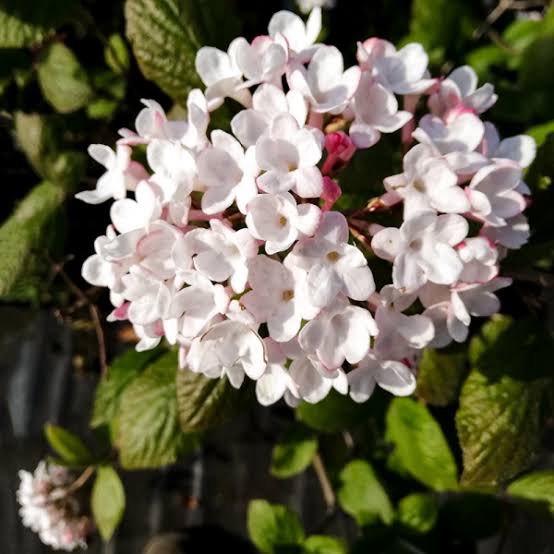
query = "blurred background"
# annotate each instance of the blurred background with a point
(72, 73)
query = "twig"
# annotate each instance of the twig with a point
(493, 16)
(325, 484)
(360, 237)
(94, 315)
(81, 480)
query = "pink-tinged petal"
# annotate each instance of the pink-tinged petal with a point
(308, 218)
(362, 384)
(395, 378)
(271, 386)
(387, 243)
(418, 330)
(358, 283)
(451, 228)
(213, 65)
(465, 79)
(308, 182)
(521, 148)
(445, 266)
(248, 126)
(323, 284)
(103, 154)
(96, 271)
(363, 135)
(407, 274)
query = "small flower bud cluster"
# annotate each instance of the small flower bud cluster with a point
(49, 508)
(229, 245)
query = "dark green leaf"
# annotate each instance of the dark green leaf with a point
(25, 22)
(273, 527)
(535, 488)
(40, 139)
(420, 446)
(322, 544)
(27, 233)
(68, 446)
(166, 34)
(498, 420)
(440, 375)
(121, 372)
(418, 512)
(540, 132)
(149, 431)
(107, 501)
(204, 402)
(294, 452)
(62, 79)
(362, 496)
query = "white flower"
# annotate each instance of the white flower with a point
(324, 83)
(422, 249)
(493, 195)
(101, 272)
(459, 90)
(514, 234)
(268, 102)
(402, 72)
(462, 133)
(333, 265)
(195, 306)
(392, 376)
(399, 333)
(313, 381)
(222, 253)
(228, 173)
(174, 169)
(376, 111)
(339, 332)
(277, 297)
(122, 174)
(49, 509)
(480, 258)
(264, 60)
(230, 349)
(521, 149)
(427, 184)
(300, 36)
(464, 301)
(277, 220)
(219, 72)
(127, 214)
(276, 380)
(194, 130)
(288, 154)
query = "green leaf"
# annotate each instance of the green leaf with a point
(273, 527)
(24, 237)
(121, 372)
(107, 501)
(149, 432)
(40, 139)
(68, 446)
(536, 488)
(25, 22)
(164, 44)
(204, 403)
(483, 59)
(116, 54)
(498, 420)
(420, 446)
(166, 34)
(471, 516)
(362, 496)
(322, 544)
(418, 512)
(62, 79)
(294, 452)
(102, 108)
(334, 413)
(540, 132)
(440, 375)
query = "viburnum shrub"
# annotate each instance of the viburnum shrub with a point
(243, 251)
(229, 244)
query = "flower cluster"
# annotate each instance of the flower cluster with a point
(230, 248)
(50, 509)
